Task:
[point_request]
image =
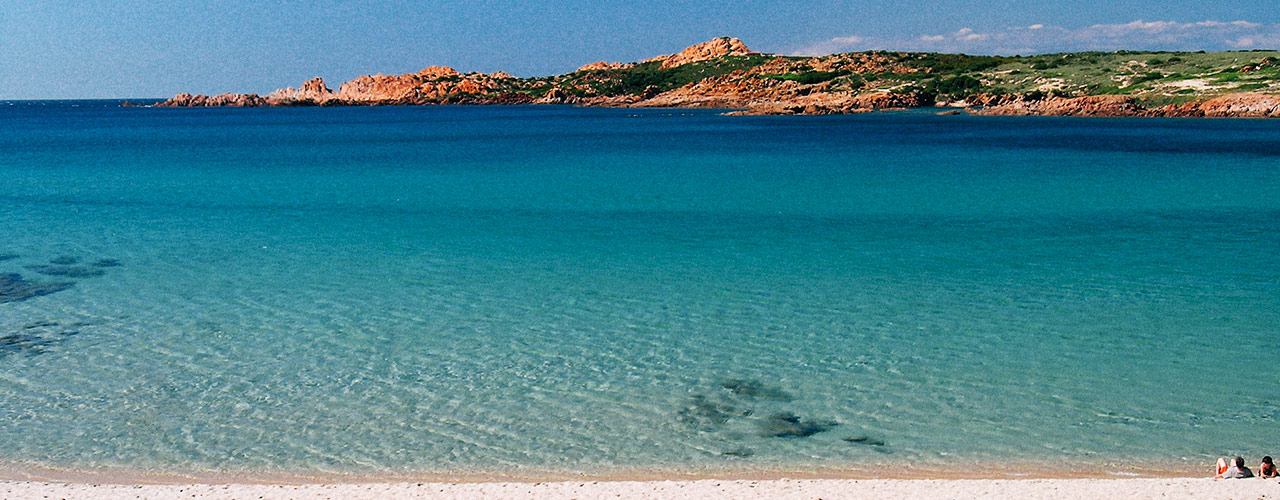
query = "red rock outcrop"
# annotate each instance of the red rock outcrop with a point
(598, 66)
(185, 100)
(314, 91)
(990, 100)
(433, 84)
(437, 72)
(1098, 105)
(705, 51)
(436, 84)
(836, 103)
(1241, 105)
(556, 95)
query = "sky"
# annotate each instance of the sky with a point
(68, 49)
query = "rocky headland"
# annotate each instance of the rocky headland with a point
(724, 73)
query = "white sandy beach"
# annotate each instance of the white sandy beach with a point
(780, 489)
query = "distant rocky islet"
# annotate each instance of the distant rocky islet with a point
(723, 73)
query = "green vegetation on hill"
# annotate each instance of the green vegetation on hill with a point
(1157, 77)
(649, 76)
(808, 77)
(1143, 74)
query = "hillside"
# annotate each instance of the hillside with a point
(724, 73)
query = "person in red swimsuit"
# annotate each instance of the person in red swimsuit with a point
(1222, 467)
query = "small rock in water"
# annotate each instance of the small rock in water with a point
(756, 389)
(107, 263)
(64, 260)
(864, 440)
(15, 289)
(68, 271)
(788, 425)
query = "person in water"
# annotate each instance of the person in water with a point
(1267, 469)
(1237, 470)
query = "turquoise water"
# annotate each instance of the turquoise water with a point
(388, 291)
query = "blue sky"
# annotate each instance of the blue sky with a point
(134, 48)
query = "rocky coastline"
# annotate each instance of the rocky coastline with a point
(724, 74)
(1239, 105)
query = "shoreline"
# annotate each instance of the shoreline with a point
(780, 489)
(1231, 106)
(1020, 480)
(1023, 470)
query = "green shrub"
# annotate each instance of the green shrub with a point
(956, 86)
(953, 63)
(808, 77)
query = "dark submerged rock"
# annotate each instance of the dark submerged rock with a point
(8, 256)
(15, 289)
(740, 452)
(68, 271)
(64, 260)
(703, 412)
(34, 338)
(107, 263)
(788, 425)
(864, 440)
(13, 343)
(756, 389)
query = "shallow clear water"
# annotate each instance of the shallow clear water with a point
(390, 290)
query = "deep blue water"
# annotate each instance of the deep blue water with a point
(400, 289)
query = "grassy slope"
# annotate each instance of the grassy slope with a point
(1155, 77)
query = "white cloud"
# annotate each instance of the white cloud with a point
(848, 39)
(1255, 42)
(1040, 38)
(967, 35)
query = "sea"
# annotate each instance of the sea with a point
(546, 291)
